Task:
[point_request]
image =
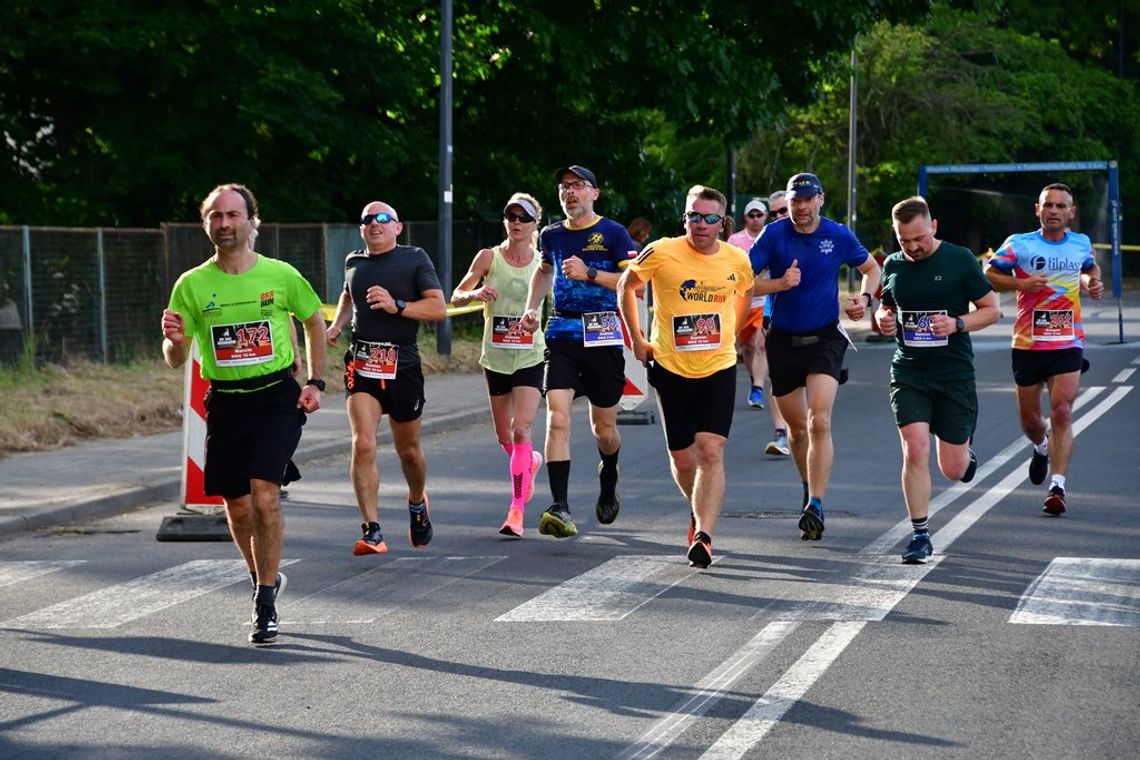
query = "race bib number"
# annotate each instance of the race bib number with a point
(601, 328)
(696, 332)
(1053, 325)
(375, 360)
(507, 332)
(243, 344)
(917, 329)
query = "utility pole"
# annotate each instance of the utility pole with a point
(443, 332)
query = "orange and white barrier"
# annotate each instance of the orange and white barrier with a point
(636, 378)
(194, 435)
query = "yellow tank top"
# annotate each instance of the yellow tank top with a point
(506, 347)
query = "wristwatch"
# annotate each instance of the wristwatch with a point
(400, 306)
(959, 324)
(317, 383)
(591, 274)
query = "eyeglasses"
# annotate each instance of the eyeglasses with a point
(382, 217)
(577, 184)
(756, 214)
(697, 216)
(780, 211)
(524, 217)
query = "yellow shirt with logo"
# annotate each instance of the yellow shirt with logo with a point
(694, 305)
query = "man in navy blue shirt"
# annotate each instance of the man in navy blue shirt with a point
(582, 256)
(803, 254)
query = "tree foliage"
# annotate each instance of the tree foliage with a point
(125, 111)
(958, 89)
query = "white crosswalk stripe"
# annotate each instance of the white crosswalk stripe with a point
(367, 597)
(1083, 591)
(608, 592)
(123, 602)
(18, 571)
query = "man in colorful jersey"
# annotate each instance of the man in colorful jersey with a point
(701, 290)
(581, 257)
(928, 287)
(238, 305)
(803, 255)
(1047, 269)
(388, 290)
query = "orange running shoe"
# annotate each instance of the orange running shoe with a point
(513, 526)
(372, 543)
(535, 466)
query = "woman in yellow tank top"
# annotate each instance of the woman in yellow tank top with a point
(512, 358)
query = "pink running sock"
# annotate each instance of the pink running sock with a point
(520, 474)
(509, 448)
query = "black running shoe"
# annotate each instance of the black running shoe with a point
(608, 503)
(700, 553)
(556, 521)
(1038, 468)
(1055, 502)
(811, 523)
(971, 468)
(264, 624)
(372, 541)
(918, 551)
(419, 525)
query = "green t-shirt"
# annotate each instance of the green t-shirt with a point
(947, 283)
(241, 321)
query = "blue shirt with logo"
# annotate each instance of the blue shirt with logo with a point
(606, 246)
(814, 303)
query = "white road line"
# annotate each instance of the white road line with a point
(1136, 360)
(709, 690)
(368, 597)
(124, 602)
(1123, 375)
(766, 713)
(743, 735)
(1083, 591)
(16, 571)
(610, 591)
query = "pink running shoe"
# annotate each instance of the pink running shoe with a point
(535, 466)
(513, 526)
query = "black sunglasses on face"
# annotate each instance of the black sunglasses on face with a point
(696, 216)
(524, 217)
(382, 217)
(756, 214)
(779, 211)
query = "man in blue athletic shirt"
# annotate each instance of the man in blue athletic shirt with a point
(582, 257)
(803, 254)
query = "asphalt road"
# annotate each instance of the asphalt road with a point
(1020, 640)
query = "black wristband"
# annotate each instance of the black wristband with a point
(317, 383)
(870, 299)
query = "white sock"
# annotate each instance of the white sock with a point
(1043, 447)
(1059, 481)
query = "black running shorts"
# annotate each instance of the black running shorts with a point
(401, 398)
(596, 373)
(794, 356)
(251, 435)
(1035, 367)
(499, 384)
(691, 405)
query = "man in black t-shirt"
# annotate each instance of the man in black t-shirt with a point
(388, 290)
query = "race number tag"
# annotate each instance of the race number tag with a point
(696, 332)
(1053, 325)
(507, 332)
(601, 328)
(375, 360)
(242, 344)
(917, 329)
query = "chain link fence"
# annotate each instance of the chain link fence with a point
(97, 294)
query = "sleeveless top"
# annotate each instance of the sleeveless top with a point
(503, 315)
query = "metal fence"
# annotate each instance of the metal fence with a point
(97, 294)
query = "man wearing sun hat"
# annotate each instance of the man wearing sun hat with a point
(806, 343)
(581, 258)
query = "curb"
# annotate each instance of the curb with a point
(130, 498)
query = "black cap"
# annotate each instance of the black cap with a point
(804, 185)
(580, 172)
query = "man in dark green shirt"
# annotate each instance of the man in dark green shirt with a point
(928, 287)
